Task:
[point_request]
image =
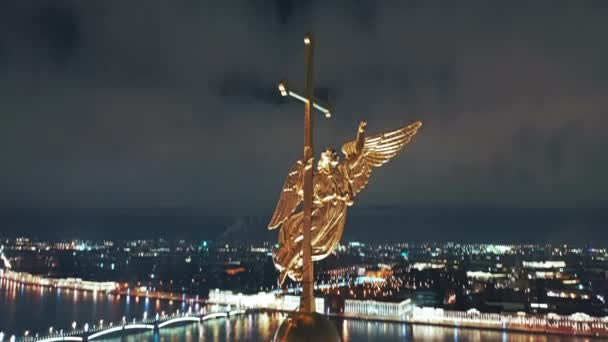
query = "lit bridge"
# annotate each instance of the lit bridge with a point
(154, 324)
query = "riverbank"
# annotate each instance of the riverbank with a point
(67, 283)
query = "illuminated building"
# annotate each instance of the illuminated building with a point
(376, 309)
(261, 300)
(71, 283)
(484, 275)
(543, 264)
(427, 265)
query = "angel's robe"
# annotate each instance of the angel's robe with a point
(332, 196)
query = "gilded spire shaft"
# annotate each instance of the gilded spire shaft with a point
(307, 300)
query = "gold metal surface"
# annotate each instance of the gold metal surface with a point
(307, 299)
(313, 233)
(300, 182)
(307, 326)
(335, 186)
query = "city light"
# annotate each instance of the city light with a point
(381, 285)
(67, 283)
(544, 264)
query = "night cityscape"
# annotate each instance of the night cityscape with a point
(566, 282)
(298, 170)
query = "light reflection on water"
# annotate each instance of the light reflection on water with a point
(261, 327)
(252, 327)
(36, 309)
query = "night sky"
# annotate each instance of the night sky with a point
(162, 118)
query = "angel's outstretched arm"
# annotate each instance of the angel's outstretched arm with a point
(361, 136)
(366, 153)
(359, 145)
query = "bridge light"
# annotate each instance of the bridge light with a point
(50, 331)
(1, 336)
(74, 325)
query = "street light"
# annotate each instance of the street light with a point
(50, 331)
(74, 325)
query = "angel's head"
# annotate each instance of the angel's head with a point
(328, 161)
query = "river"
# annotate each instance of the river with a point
(37, 309)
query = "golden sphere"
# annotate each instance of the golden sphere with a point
(304, 327)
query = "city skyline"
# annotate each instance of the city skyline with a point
(506, 289)
(512, 99)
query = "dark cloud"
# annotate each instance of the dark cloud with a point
(246, 89)
(115, 105)
(57, 29)
(506, 224)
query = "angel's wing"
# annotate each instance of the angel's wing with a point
(291, 195)
(377, 150)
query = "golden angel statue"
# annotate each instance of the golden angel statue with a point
(335, 186)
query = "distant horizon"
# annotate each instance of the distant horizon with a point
(271, 242)
(506, 224)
